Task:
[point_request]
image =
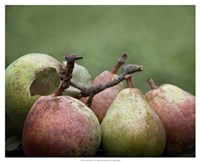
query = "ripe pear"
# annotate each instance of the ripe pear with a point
(60, 126)
(131, 128)
(102, 100)
(23, 78)
(176, 109)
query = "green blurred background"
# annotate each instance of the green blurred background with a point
(161, 38)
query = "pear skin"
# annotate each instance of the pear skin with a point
(176, 109)
(19, 77)
(59, 127)
(102, 100)
(131, 127)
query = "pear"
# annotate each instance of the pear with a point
(131, 128)
(176, 109)
(27, 78)
(102, 100)
(60, 126)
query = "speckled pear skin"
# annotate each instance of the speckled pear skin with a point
(19, 76)
(131, 127)
(102, 100)
(176, 109)
(60, 126)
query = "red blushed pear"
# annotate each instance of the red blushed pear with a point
(176, 109)
(60, 126)
(103, 100)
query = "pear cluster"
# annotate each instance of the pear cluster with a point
(56, 110)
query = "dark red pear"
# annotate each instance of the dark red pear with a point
(176, 109)
(60, 126)
(103, 100)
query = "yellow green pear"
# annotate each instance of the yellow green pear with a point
(23, 79)
(131, 127)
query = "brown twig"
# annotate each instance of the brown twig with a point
(119, 63)
(94, 89)
(66, 74)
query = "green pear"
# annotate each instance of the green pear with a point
(80, 76)
(27, 78)
(131, 127)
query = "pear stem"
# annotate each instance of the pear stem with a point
(119, 63)
(66, 74)
(94, 89)
(129, 81)
(152, 84)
